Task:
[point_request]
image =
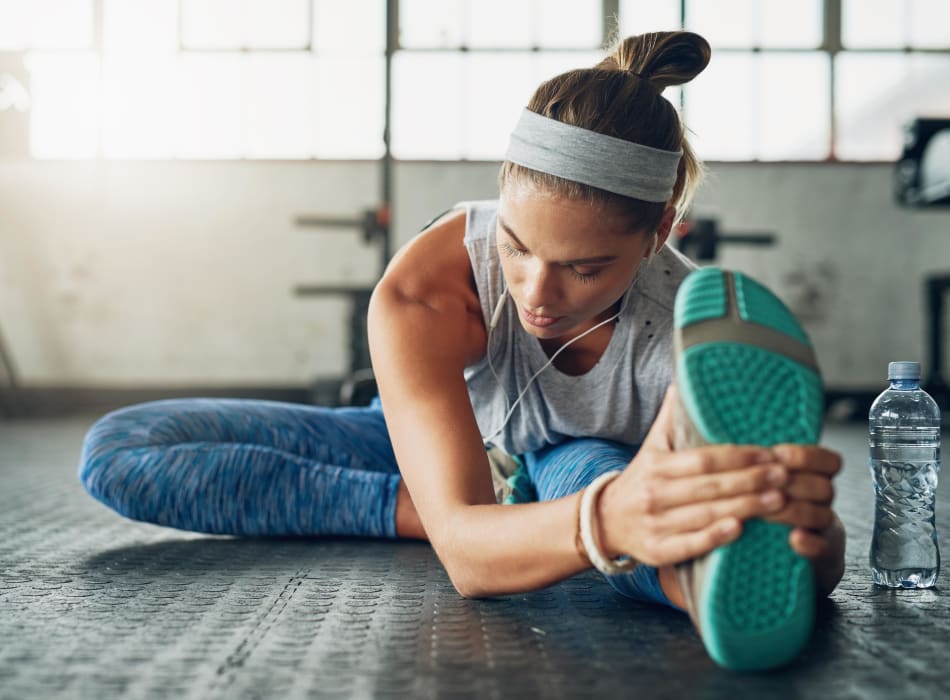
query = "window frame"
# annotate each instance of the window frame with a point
(831, 45)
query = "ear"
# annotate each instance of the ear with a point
(666, 225)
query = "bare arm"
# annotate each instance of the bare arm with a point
(425, 327)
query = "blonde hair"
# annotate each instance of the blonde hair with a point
(621, 97)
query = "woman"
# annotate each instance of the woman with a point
(541, 325)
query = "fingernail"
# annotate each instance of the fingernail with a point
(775, 476)
(764, 457)
(772, 499)
(783, 453)
(729, 527)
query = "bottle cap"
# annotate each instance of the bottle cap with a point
(903, 370)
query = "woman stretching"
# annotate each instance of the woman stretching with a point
(548, 326)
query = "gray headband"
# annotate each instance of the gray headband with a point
(602, 161)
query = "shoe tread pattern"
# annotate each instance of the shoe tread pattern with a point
(757, 607)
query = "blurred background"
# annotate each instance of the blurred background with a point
(196, 196)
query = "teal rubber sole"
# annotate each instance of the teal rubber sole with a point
(746, 375)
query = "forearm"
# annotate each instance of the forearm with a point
(499, 549)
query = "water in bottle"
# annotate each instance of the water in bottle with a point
(905, 462)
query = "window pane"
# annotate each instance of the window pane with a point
(16, 29)
(278, 110)
(729, 23)
(637, 16)
(430, 23)
(794, 114)
(720, 108)
(65, 107)
(208, 115)
(551, 63)
(873, 23)
(570, 24)
(788, 25)
(494, 23)
(134, 26)
(877, 94)
(353, 27)
(930, 24)
(761, 107)
(427, 113)
(276, 24)
(138, 108)
(757, 23)
(61, 24)
(211, 24)
(349, 94)
(493, 105)
(893, 24)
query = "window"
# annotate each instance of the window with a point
(466, 68)
(895, 65)
(299, 79)
(198, 79)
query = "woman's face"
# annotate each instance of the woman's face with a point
(566, 262)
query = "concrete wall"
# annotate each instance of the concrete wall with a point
(177, 274)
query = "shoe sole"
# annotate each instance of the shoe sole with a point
(747, 374)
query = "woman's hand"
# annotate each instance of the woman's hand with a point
(670, 506)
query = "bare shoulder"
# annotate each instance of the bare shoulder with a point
(434, 262)
(434, 271)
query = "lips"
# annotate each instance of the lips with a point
(539, 321)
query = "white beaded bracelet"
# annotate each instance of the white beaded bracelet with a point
(588, 510)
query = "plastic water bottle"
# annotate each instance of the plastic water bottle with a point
(905, 462)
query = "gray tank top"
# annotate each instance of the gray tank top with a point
(618, 399)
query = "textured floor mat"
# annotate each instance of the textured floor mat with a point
(95, 606)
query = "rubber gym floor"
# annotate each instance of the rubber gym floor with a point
(96, 606)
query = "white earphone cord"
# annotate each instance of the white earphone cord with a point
(512, 407)
(496, 316)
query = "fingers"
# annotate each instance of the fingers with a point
(803, 514)
(810, 487)
(809, 544)
(698, 516)
(681, 547)
(712, 459)
(810, 458)
(657, 496)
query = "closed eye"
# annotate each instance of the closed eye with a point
(510, 250)
(585, 277)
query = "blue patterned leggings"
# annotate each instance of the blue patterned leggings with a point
(251, 467)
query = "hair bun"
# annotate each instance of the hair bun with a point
(662, 58)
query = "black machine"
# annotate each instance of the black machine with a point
(358, 386)
(700, 239)
(922, 179)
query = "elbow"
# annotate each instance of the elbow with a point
(470, 580)
(467, 586)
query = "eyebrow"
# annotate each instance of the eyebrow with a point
(600, 260)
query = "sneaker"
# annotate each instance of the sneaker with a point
(746, 373)
(510, 478)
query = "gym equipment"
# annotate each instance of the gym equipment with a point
(922, 175)
(358, 387)
(922, 180)
(700, 238)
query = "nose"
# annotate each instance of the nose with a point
(540, 287)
